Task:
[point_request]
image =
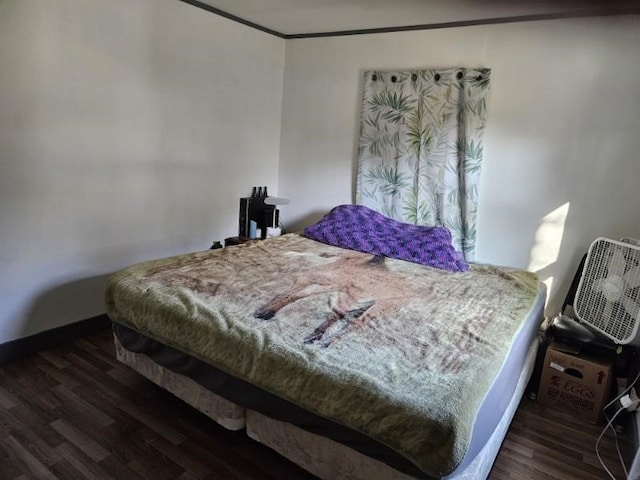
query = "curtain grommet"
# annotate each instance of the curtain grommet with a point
(436, 77)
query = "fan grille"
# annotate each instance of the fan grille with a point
(608, 294)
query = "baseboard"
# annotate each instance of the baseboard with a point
(23, 347)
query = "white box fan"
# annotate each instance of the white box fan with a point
(608, 295)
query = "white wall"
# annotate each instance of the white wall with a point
(562, 161)
(128, 130)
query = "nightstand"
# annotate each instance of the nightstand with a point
(237, 240)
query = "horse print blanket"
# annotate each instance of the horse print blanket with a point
(401, 352)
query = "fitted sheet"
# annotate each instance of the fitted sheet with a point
(421, 350)
(329, 460)
(501, 392)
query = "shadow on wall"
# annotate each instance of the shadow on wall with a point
(65, 304)
(298, 224)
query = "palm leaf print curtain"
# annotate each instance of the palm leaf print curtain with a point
(420, 151)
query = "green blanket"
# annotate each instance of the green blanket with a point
(400, 352)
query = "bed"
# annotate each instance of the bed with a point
(350, 363)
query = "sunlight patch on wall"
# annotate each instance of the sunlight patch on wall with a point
(549, 283)
(546, 248)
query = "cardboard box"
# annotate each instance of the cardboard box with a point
(576, 383)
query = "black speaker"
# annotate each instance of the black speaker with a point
(250, 209)
(254, 208)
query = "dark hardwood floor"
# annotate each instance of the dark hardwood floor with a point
(74, 412)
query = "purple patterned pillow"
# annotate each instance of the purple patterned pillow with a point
(359, 228)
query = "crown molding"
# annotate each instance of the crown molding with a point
(599, 12)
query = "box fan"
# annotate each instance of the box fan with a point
(608, 295)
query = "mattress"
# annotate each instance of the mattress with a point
(425, 364)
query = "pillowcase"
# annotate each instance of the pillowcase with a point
(357, 227)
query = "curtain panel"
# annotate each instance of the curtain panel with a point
(420, 151)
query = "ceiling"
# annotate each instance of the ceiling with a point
(299, 18)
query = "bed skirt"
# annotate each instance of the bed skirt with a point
(224, 412)
(318, 455)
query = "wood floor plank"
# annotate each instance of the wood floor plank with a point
(179, 456)
(54, 359)
(74, 412)
(32, 421)
(63, 469)
(105, 386)
(7, 400)
(522, 450)
(37, 446)
(59, 375)
(126, 377)
(80, 439)
(551, 451)
(33, 465)
(106, 356)
(75, 460)
(82, 408)
(31, 386)
(128, 445)
(78, 360)
(559, 444)
(117, 469)
(10, 466)
(187, 476)
(85, 345)
(146, 469)
(155, 423)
